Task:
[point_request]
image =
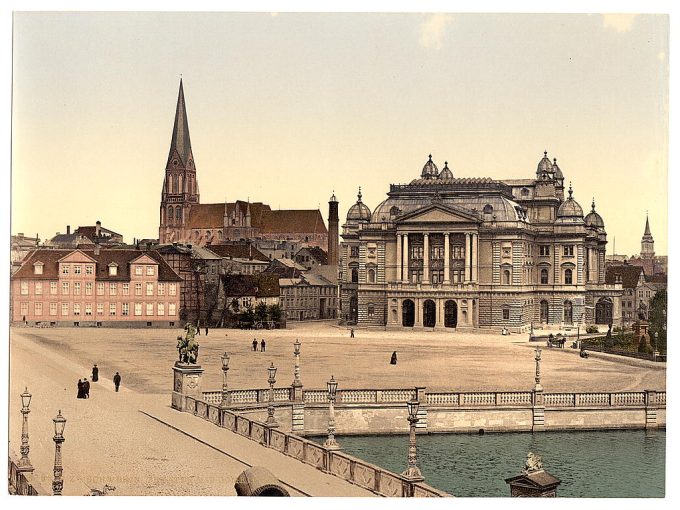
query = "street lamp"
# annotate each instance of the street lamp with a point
(412, 471)
(226, 397)
(330, 442)
(271, 421)
(538, 386)
(24, 462)
(59, 425)
(296, 351)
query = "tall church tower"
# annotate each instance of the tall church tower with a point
(333, 221)
(647, 244)
(180, 187)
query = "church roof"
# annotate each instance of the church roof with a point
(180, 132)
(238, 251)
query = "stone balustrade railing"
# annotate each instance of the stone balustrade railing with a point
(23, 483)
(441, 399)
(354, 470)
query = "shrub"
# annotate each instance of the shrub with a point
(591, 328)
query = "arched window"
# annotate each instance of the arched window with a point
(506, 277)
(371, 310)
(170, 214)
(525, 192)
(395, 211)
(488, 209)
(355, 275)
(544, 276)
(219, 234)
(371, 276)
(208, 234)
(181, 184)
(178, 214)
(174, 184)
(567, 276)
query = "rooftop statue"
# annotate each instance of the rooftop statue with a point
(533, 463)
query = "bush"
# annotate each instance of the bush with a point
(591, 328)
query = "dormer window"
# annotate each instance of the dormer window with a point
(38, 268)
(113, 269)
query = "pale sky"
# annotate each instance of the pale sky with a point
(285, 109)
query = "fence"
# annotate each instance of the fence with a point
(629, 354)
(23, 483)
(342, 465)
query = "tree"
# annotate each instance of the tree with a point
(247, 316)
(261, 311)
(658, 309)
(275, 313)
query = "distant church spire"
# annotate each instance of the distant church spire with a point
(647, 231)
(647, 244)
(181, 142)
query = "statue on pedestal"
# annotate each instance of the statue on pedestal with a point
(533, 463)
(187, 346)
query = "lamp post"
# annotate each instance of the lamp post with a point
(226, 397)
(271, 421)
(538, 386)
(59, 425)
(330, 442)
(412, 471)
(24, 463)
(296, 351)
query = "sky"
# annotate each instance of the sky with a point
(288, 108)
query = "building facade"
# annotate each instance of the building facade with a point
(183, 219)
(446, 252)
(123, 288)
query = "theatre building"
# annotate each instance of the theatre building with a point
(446, 252)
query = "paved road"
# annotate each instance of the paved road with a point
(109, 441)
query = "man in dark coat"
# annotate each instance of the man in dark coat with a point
(255, 344)
(206, 331)
(116, 380)
(393, 359)
(262, 345)
(86, 388)
(95, 373)
(80, 389)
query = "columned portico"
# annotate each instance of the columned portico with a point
(468, 259)
(447, 257)
(400, 259)
(474, 256)
(426, 257)
(405, 276)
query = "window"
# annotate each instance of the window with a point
(125, 309)
(64, 268)
(100, 288)
(88, 288)
(76, 269)
(568, 312)
(161, 289)
(506, 313)
(24, 288)
(506, 277)
(567, 276)
(138, 308)
(76, 288)
(76, 308)
(138, 289)
(172, 289)
(568, 250)
(149, 308)
(139, 270)
(371, 276)
(161, 309)
(416, 252)
(544, 250)
(354, 251)
(171, 308)
(24, 309)
(149, 271)
(53, 308)
(88, 309)
(149, 289)
(112, 308)
(458, 252)
(100, 308)
(437, 252)
(64, 308)
(89, 269)
(37, 308)
(488, 209)
(355, 275)
(38, 268)
(113, 270)
(113, 289)
(126, 289)
(371, 310)
(53, 288)
(64, 288)
(544, 276)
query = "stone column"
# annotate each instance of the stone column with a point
(447, 258)
(426, 258)
(187, 383)
(468, 259)
(406, 257)
(399, 257)
(419, 312)
(475, 255)
(538, 401)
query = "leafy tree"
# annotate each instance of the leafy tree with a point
(261, 311)
(658, 308)
(275, 313)
(247, 316)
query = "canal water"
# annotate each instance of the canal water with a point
(597, 464)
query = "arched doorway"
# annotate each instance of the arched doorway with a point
(544, 311)
(604, 311)
(450, 314)
(408, 314)
(429, 313)
(353, 309)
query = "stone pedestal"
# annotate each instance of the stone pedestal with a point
(533, 481)
(186, 383)
(538, 409)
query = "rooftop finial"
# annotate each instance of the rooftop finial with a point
(446, 164)
(554, 161)
(593, 204)
(359, 195)
(545, 154)
(430, 156)
(570, 191)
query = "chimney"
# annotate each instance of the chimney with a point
(68, 229)
(96, 248)
(98, 228)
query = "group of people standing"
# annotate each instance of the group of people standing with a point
(263, 345)
(84, 384)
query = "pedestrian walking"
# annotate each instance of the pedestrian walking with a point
(95, 373)
(86, 388)
(393, 359)
(206, 331)
(351, 333)
(198, 328)
(116, 380)
(255, 344)
(262, 345)
(80, 389)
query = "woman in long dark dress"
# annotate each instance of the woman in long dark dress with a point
(81, 389)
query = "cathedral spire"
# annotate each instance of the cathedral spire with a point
(647, 231)
(181, 143)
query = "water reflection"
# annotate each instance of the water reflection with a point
(610, 464)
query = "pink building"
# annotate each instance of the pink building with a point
(115, 288)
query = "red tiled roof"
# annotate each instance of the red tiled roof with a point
(122, 258)
(259, 285)
(238, 251)
(629, 275)
(295, 221)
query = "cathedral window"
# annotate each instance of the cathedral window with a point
(178, 214)
(170, 214)
(174, 183)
